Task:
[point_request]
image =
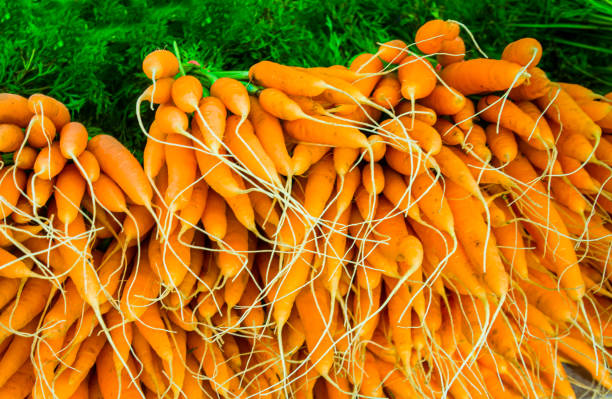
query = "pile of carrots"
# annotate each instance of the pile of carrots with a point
(413, 225)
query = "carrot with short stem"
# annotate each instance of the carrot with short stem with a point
(481, 75)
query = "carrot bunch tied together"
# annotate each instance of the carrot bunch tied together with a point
(413, 224)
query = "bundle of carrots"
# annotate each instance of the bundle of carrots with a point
(391, 229)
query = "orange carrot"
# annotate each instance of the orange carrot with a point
(392, 51)
(445, 101)
(160, 64)
(11, 137)
(288, 79)
(233, 95)
(387, 92)
(325, 131)
(91, 168)
(561, 108)
(15, 110)
(416, 77)
(69, 191)
(369, 65)
(210, 120)
(120, 165)
(49, 162)
(186, 93)
(535, 207)
(451, 51)
(502, 143)
(51, 108)
(526, 51)
(12, 181)
(25, 158)
(482, 75)
(431, 35)
(451, 135)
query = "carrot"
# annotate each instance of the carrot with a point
(26, 306)
(14, 109)
(90, 166)
(41, 131)
(343, 159)
(369, 65)
(483, 172)
(278, 104)
(526, 52)
(17, 353)
(579, 93)
(159, 92)
(246, 147)
(474, 236)
(568, 195)
(502, 143)
(210, 120)
(392, 52)
(170, 119)
(444, 100)
(508, 115)
(160, 64)
(139, 291)
(20, 384)
(182, 165)
(574, 145)
(233, 95)
(387, 92)
(136, 227)
(561, 108)
(405, 127)
(151, 327)
(313, 307)
(24, 158)
(69, 191)
(12, 181)
(325, 131)
(584, 355)
(578, 176)
(431, 35)
(546, 133)
(451, 51)
(120, 165)
(378, 147)
(49, 107)
(421, 112)
(603, 151)
(49, 162)
(235, 246)
(596, 110)
(396, 191)
(114, 384)
(536, 85)
(482, 75)
(186, 93)
(416, 77)
(535, 207)
(287, 79)
(475, 144)
(451, 135)
(407, 163)
(394, 381)
(457, 171)
(373, 179)
(8, 289)
(11, 137)
(432, 203)
(213, 216)
(510, 241)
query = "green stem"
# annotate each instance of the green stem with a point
(238, 75)
(178, 56)
(251, 88)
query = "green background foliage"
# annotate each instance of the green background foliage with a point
(88, 53)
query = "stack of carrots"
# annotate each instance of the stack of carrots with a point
(388, 229)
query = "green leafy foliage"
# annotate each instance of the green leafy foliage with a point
(88, 53)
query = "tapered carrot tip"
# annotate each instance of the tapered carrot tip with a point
(160, 64)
